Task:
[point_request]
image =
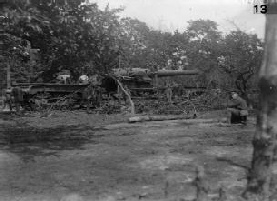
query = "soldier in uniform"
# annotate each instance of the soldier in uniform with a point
(17, 94)
(168, 92)
(237, 110)
(88, 96)
(98, 95)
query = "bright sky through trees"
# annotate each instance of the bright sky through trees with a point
(169, 15)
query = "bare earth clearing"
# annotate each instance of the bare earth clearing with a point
(99, 157)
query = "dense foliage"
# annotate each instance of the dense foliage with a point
(77, 36)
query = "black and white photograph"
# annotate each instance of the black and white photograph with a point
(129, 100)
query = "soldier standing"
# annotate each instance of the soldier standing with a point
(88, 96)
(17, 94)
(168, 92)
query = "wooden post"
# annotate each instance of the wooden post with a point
(156, 80)
(9, 73)
(29, 61)
(202, 187)
(169, 93)
(264, 142)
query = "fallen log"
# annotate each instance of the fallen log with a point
(189, 119)
(155, 118)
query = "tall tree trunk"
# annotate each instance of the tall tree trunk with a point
(264, 142)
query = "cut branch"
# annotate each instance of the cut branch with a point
(132, 105)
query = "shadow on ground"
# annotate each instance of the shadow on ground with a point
(27, 141)
(7, 116)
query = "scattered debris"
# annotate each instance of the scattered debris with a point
(72, 197)
(155, 118)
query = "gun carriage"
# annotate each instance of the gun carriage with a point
(139, 82)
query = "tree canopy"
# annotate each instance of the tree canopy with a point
(76, 35)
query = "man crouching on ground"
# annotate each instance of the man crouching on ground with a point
(237, 112)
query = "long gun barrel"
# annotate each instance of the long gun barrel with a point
(163, 73)
(159, 73)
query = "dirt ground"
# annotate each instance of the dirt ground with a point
(77, 156)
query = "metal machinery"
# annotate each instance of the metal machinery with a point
(137, 80)
(140, 81)
(58, 95)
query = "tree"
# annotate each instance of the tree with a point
(260, 181)
(157, 52)
(203, 49)
(178, 51)
(18, 19)
(133, 43)
(240, 57)
(63, 43)
(79, 37)
(166, 50)
(105, 34)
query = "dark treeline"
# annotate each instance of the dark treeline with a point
(78, 36)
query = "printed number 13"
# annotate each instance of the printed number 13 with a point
(261, 9)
